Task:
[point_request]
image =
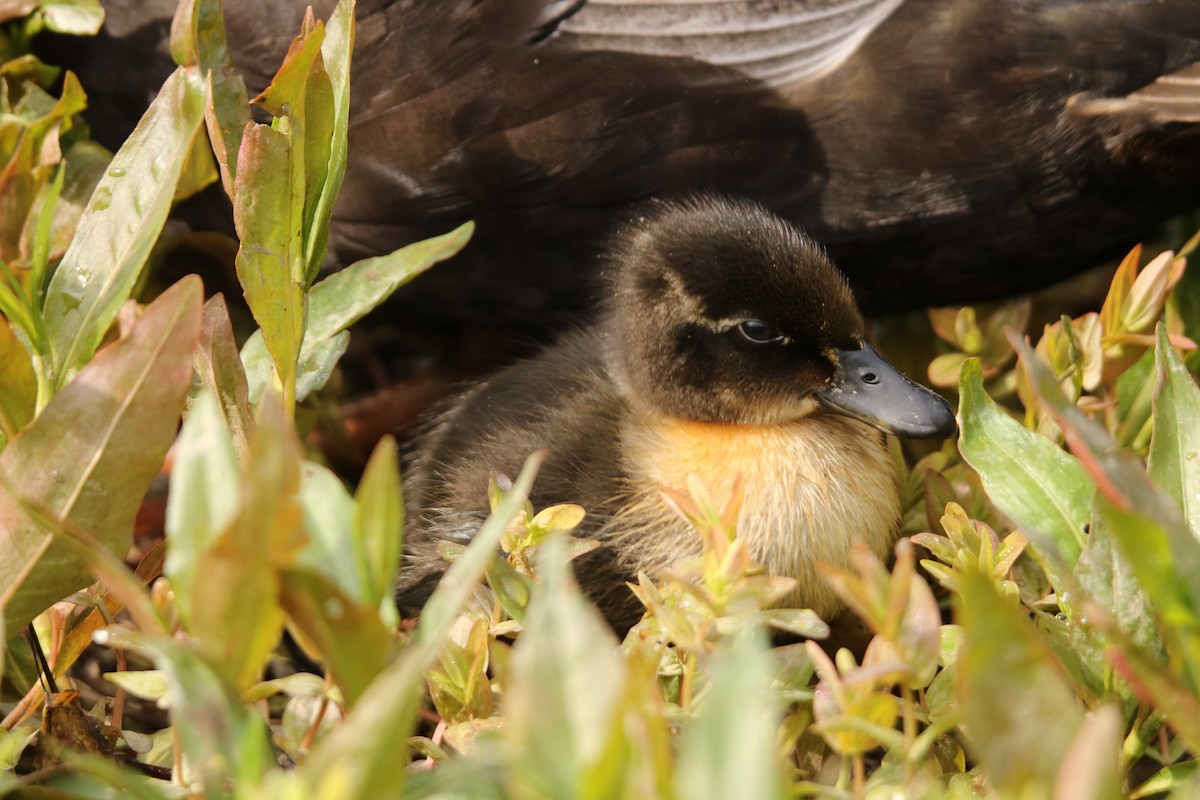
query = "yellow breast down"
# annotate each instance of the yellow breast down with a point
(812, 487)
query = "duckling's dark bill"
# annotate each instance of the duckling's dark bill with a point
(869, 389)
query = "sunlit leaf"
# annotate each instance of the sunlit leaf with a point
(335, 52)
(379, 525)
(359, 758)
(346, 296)
(268, 224)
(562, 706)
(122, 222)
(76, 17)
(205, 480)
(236, 616)
(18, 384)
(302, 92)
(198, 37)
(225, 740)
(94, 450)
(349, 635)
(1028, 477)
(729, 750)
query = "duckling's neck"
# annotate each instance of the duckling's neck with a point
(811, 486)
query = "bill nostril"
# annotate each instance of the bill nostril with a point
(870, 377)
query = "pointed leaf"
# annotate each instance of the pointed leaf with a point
(335, 52)
(121, 224)
(331, 549)
(346, 296)
(1011, 692)
(349, 635)
(730, 749)
(358, 759)
(93, 452)
(379, 524)
(1029, 478)
(198, 37)
(205, 480)
(219, 368)
(1174, 462)
(566, 680)
(236, 613)
(267, 217)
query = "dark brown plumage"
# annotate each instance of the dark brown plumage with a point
(943, 150)
(728, 345)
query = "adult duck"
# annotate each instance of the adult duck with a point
(942, 150)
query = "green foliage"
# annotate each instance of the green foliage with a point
(1071, 575)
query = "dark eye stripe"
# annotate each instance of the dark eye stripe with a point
(759, 332)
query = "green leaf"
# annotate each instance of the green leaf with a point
(1011, 692)
(1166, 561)
(346, 296)
(1152, 533)
(268, 225)
(563, 710)
(1108, 577)
(316, 363)
(379, 526)
(730, 749)
(1043, 489)
(1174, 462)
(205, 481)
(359, 758)
(1163, 690)
(331, 549)
(76, 17)
(27, 171)
(224, 740)
(148, 684)
(335, 52)
(302, 93)
(349, 635)
(122, 222)
(236, 613)
(86, 165)
(198, 37)
(93, 452)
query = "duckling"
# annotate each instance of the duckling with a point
(944, 151)
(729, 345)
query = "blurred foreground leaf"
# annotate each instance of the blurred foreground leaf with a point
(1174, 462)
(1020, 713)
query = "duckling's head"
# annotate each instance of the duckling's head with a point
(723, 312)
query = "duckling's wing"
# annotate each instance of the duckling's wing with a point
(779, 42)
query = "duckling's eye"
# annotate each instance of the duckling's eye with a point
(759, 332)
